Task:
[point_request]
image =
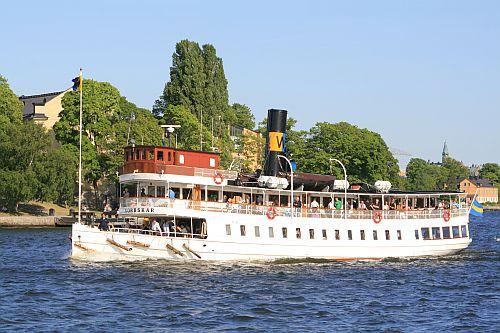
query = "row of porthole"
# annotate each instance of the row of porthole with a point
(324, 236)
(425, 232)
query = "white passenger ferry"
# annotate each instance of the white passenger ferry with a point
(184, 207)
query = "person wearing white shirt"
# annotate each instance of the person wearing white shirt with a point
(155, 226)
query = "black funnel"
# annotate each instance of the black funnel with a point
(276, 138)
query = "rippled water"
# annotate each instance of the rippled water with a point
(42, 289)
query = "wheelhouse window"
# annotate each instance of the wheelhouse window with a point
(159, 156)
(464, 231)
(362, 234)
(349, 234)
(181, 159)
(425, 233)
(455, 231)
(446, 233)
(284, 231)
(243, 232)
(151, 155)
(324, 234)
(436, 233)
(399, 234)
(311, 233)
(297, 233)
(337, 234)
(416, 234)
(257, 231)
(212, 162)
(375, 235)
(228, 229)
(387, 235)
(160, 191)
(271, 232)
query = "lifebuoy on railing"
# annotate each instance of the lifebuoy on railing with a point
(377, 217)
(446, 215)
(218, 178)
(271, 213)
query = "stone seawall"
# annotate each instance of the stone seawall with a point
(27, 221)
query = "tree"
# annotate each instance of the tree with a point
(107, 118)
(422, 175)
(15, 187)
(453, 171)
(364, 153)
(11, 109)
(243, 116)
(491, 171)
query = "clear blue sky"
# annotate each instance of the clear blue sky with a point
(417, 72)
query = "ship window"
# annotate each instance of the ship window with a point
(284, 231)
(159, 156)
(387, 235)
(143, 157)
(212, 162)
(375, 235)
(349, 234)
(446, 233)
(399, 234)
(324, 234)
(271, 232)
(138, 154)
(425, 233)
(228, 229)
(464, 231)
(151, 155)
(126, 156)
(311, 233)
(298, 233)
(257, 231)
(243, 232)
(416, 234)
(362, 234)
(169, 156)
(181, 159)
(151, 191)
(186, 193)
(213, 195)
(436, 233)
(337, 234)
(455, 231)
(160, 191)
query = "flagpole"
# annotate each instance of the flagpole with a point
(80, 155)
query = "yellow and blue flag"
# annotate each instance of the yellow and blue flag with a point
(476, 209)
(77, 83)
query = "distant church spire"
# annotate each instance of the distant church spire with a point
(445, 152)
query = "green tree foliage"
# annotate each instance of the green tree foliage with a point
(197, 82)
(491, 171)
(243, 116)
(364, 153)
(15, 187)
(109, 122)
(453, 172)
(11, 109)
(422, 175)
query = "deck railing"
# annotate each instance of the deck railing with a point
(241, 208)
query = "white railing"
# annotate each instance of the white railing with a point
(241, 208)
(138, 231)
(226, 174)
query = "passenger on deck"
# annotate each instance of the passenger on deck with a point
(385, 206)
(166, 228)
(392, 205)
(103, 223)
(338, 204)
(155, 226)
(314, 205)
(171, 194)
(362, 205)
(375, 205)
(143, 192)
(297, 203)
(125, 193)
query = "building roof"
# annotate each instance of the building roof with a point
(481, 182)
(55, 93)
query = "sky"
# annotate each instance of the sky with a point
(417, 72)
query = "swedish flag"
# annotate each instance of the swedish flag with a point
(476, 209)
(77, 83)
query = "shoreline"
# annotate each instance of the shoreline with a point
(25, 221)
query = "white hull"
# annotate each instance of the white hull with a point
(88, 241)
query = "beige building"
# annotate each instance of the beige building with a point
(43, 109)
(249, 145)
(486, 190)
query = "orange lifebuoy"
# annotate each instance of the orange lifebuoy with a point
(446, 215)
(271, 213)
(377, 217)
(218, 178)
